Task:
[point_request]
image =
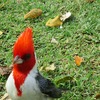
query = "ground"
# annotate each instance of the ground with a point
(80, 35)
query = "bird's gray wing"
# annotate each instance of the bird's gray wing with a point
(47, 87)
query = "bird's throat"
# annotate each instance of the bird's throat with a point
(20, 73)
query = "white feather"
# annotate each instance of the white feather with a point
(30, 88)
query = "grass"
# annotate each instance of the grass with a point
(79, 35)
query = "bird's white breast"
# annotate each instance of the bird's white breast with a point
(30, 88)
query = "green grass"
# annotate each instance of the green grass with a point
(79, 35)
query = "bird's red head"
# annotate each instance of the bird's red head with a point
(23, 51)
(24, 58)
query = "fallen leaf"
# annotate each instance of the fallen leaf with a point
(5, 71)
(78, 60)
(50, 68)
(97, 96)
(53, 40)
(54, 22)
(1, 32)
(58, 20)
(5, 97)
(65, 16)
(34, 13)
(64, 79)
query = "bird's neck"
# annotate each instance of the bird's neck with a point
(20, 72)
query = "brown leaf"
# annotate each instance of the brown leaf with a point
(78, 60)
(34, 13)
(54, 22)
(97, 96)
(5, 71)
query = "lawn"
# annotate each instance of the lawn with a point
(80, 35)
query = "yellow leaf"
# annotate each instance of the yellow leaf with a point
(54, 22)
(78, 60)
(1, 32)
(33, 13)
(50, 68)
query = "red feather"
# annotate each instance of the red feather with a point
(23, 45)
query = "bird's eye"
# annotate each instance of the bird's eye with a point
(26, 57)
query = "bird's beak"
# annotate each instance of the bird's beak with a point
(17, 60)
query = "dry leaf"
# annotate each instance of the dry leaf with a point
(58, 20)
(5, 71)
(50, 68)
(65, 16)
(78, 60)
(33, 13)
(53, 40)
(97, 96)
(5, 97)
(54, 22)
(1, 32)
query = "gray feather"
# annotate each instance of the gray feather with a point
(47, 87)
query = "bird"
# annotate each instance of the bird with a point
(25, 81)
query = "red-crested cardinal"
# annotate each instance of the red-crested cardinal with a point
(25, 82)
